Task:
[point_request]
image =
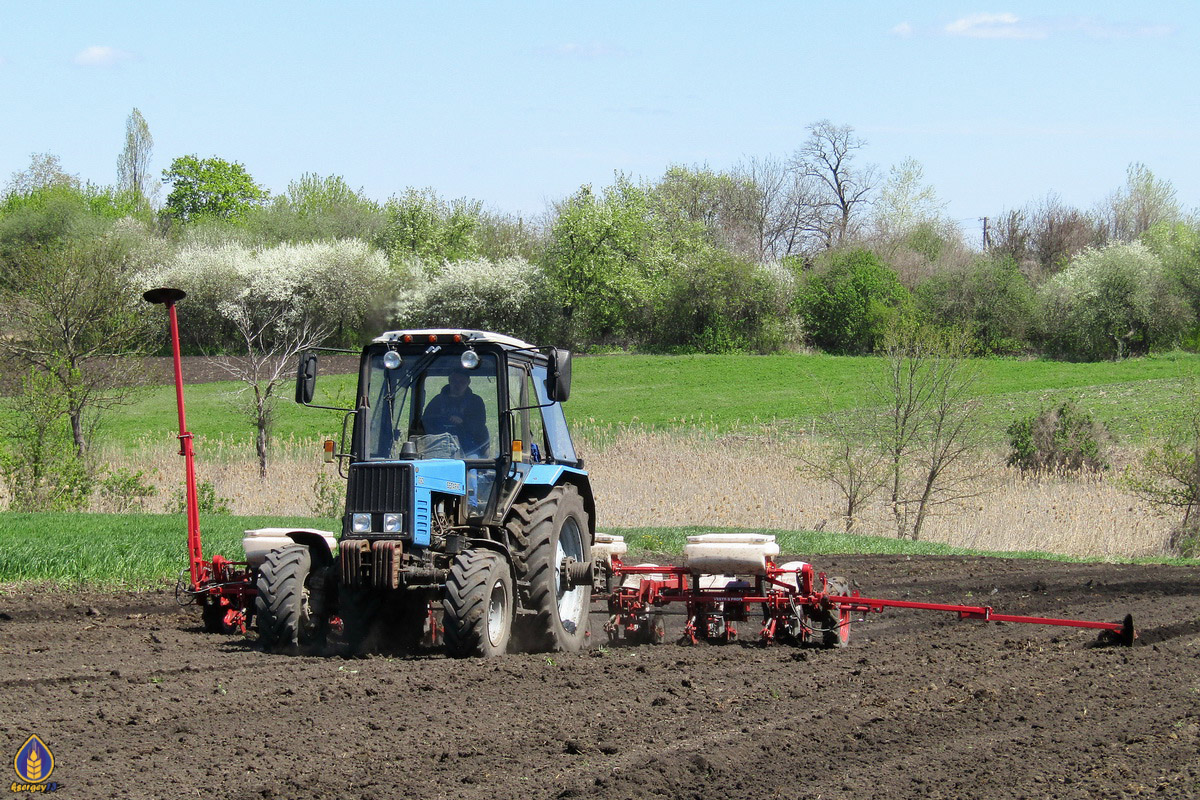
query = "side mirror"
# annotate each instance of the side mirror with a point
(306, 378)
(558, 381)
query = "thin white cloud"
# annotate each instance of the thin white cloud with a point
(592, 50)
(1007, 25)
(994, 26)
(100, 56)
(903, 30)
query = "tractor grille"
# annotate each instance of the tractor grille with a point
(377, 488)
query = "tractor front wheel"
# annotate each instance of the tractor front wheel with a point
(478, 605)
(287, 609)
(556, 534)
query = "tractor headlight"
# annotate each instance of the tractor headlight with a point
(391, 523)
(360, 523)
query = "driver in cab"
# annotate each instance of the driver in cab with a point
(459, 411)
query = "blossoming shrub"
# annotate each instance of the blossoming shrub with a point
(1112, 302)
(509, 296)
(335, 286)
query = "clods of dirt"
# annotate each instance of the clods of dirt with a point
(136, 701)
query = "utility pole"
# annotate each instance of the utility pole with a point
(987, 236)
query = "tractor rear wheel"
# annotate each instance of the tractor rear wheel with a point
(289, 621)
(478, 605)
(555, 531)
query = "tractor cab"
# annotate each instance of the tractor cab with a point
(471, 412)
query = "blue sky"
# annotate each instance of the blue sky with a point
(518, 104)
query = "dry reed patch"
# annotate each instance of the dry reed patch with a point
(645, 478)
(232, 470)
(697, 477)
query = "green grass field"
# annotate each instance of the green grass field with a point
(1136, 398)
(144, 550)
(117, 550)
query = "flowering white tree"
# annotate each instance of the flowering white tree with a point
(274, 304)
(1112, 302)
(506, 296)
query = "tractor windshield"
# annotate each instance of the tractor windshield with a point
(430, 399)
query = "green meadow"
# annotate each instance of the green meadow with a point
(133, 551)
(1138, 399)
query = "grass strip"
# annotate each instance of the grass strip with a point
(132, 551)
(117, 550)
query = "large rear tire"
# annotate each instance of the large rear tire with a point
(553, 529)
(478, 605)
(287, 607)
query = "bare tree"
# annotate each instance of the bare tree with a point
(44, 170)
(1169, 479)
(1142, 202)
(772, 217)
(912, 439)
(836, 189)
(1010, 235)
(133, 165)
(929, 425)
(841, 455)
(1059, 232)
(273, 335)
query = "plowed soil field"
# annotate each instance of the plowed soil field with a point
(134, 700)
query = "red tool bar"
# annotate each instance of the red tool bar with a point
(969, 612)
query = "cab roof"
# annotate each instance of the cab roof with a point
(468, 337)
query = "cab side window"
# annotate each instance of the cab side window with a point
(554, 424)
(539, 449)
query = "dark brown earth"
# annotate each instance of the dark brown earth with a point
(135, 701)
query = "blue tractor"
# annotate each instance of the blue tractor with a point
(463, 488)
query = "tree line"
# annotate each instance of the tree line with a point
(815, 249)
